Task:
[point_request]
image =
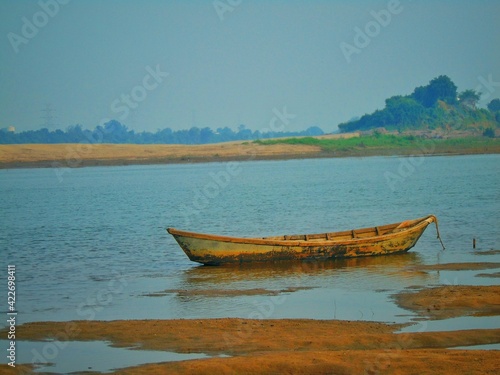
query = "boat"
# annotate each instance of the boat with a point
(210, 249)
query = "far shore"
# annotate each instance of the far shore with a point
(84, 155)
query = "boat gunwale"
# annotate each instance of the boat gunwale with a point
(411, 225)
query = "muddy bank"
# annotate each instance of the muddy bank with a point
(348, 362)
(234, 337)
(280, 346)
(451, 301)
(301, 346)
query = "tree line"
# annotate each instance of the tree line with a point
(115, 132)
(431, 106)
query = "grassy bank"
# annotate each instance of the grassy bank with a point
(384, 144)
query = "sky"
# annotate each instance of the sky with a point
(269, 65)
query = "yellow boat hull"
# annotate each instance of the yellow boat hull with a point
(383, 240)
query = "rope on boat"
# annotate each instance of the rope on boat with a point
(437, 231)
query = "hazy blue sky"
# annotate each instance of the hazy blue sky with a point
(156, 64)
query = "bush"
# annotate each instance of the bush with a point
(489, 133)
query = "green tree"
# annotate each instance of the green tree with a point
(194, 135)
(115, 132)
(74, 133)
(206, 135)
(404, 110)
(489, 132)
(494, 105)
(440, 88)
(469, 98)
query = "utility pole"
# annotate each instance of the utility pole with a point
(48, 117)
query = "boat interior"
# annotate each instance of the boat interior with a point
(345, 235)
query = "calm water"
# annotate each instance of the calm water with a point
(90, 243)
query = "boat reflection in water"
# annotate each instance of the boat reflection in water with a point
(336, 288)
(368, 273)
(266, 271)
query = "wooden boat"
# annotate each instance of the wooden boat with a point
(381, 240)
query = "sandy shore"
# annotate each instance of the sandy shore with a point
(82, 155)
(301, 346)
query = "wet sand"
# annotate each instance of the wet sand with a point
(451, 301)
(302, 346)
(352, 362)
